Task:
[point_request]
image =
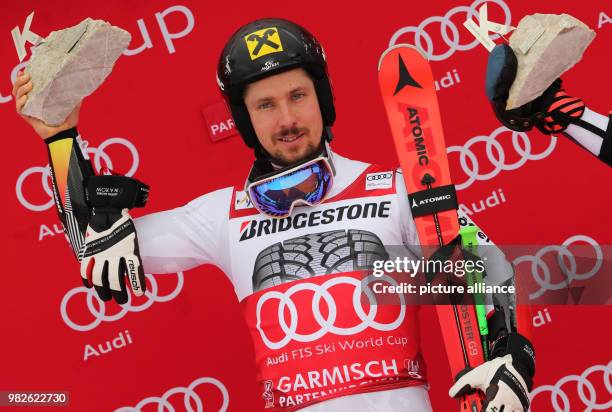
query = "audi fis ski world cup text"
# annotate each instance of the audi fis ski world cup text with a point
(325, 348)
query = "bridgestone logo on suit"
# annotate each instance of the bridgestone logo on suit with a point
(257, 228)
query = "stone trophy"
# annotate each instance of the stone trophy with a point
(545, 45)
(69, 65)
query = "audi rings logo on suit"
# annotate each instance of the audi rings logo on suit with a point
(379, 176)
(325, 323)
(381, 180)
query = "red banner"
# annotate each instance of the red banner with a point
(186, 341)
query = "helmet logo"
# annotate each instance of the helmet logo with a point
(270, 64)
(263, 42)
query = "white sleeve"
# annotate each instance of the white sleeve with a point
(186, 237)
(586, 138)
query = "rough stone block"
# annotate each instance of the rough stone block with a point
(546, 45)
(69, 65)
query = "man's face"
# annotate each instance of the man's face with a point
(285, 114)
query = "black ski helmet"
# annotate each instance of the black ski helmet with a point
(265, 47)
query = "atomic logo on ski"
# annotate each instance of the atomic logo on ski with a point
(405, 79)
(418, 130)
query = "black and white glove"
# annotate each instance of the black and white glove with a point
(505, 380)
(111, 245)
(551, 113)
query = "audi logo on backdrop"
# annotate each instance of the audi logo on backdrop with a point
(98, 154)
(560, 401)
(326, 323)
(99, 313)
(451, 34)
(496, 155)
(190, 397)
(541, 272)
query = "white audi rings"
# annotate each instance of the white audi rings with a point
(189, 394)
(560, 400)
(423, 40)
(326, 324)
(541, 272)
(496, 155)
(99, 313)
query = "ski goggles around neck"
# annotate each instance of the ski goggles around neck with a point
(277, 194)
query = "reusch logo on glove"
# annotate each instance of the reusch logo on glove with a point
(133, 275)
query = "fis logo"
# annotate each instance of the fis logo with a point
(268, 395)
(263, 42)
(413, 369)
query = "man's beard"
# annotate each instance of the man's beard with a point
(312, 150)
